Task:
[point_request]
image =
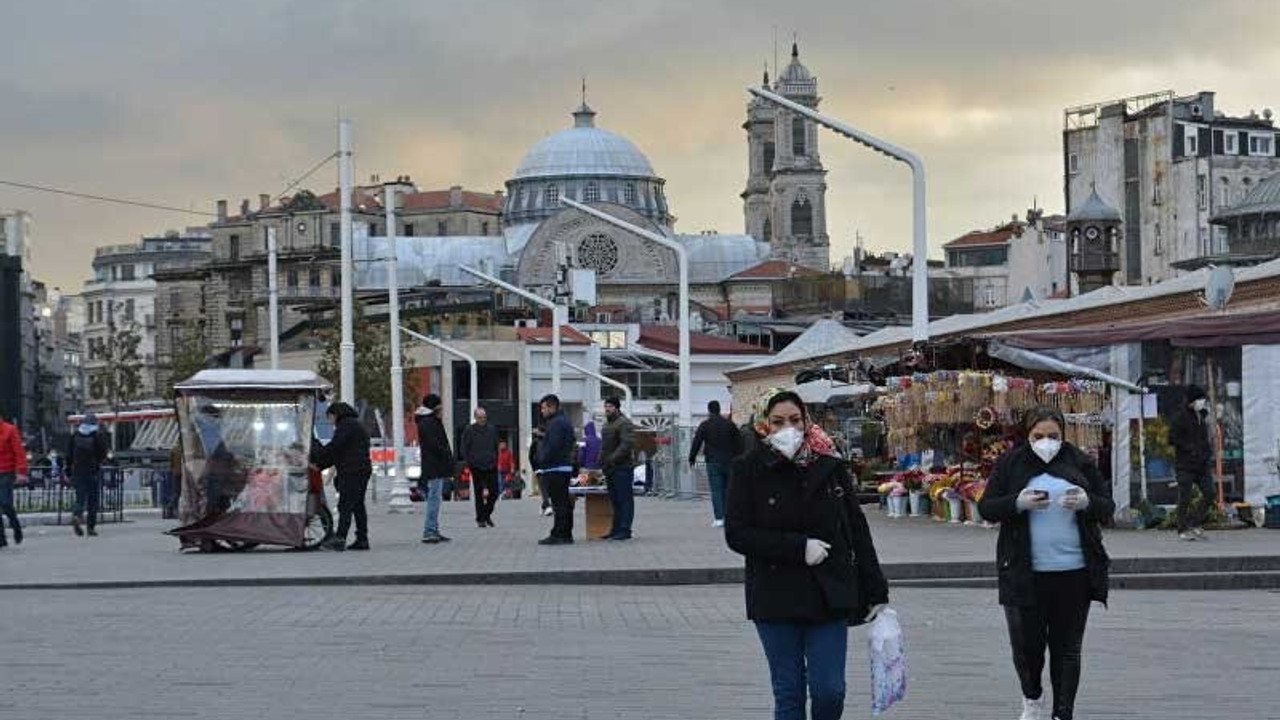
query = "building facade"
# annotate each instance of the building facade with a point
(1010, 263)
(1169, 164)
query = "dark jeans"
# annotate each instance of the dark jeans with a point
(1193, 515)
(542, 490)
(806, 657)
(351, 504)
(7, 481)
(482, 480)
(1057, 620)
(624, 502)
(556, 485)
(88, 498)
(718, 479)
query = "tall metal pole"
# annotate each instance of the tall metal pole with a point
(557, 318)
(347, 347)
(682, 257)
(397, 501)
(920, 274)
(474, 385)
(273, 298)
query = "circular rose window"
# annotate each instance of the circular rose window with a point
(598, 252)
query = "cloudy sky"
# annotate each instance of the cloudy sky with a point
(182, 102)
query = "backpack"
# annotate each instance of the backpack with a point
(86, 447)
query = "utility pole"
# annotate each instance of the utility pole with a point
(273, 298)
(389, 192)
(347, 346)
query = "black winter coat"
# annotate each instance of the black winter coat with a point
(1013, 471)
(480, 446)
(557, 447)
(347, 452)
(433, 443)
(722, 438)
(85, 454)
(774, 507)
(1189, 436)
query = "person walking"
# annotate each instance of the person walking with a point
(348, 454)
(13, 471)
(1050, 501)
(617, 456)
(507, 470)
(480, 453)
(554, 466)
(723, 443)
(811, 565)
(1189, 435)
(86, 452)
(438, 464)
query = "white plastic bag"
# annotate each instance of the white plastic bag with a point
(888, 661)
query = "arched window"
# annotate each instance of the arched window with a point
(551, 198)
(767, 232)
(592, 193)
(798, 137)
(801, 217)
(768, 158)
(629, 193)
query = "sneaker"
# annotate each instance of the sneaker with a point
(93, 532)
(620, 537)
(489, 522)
(75, 526)
(1188, 536)
(17, 535)
(480, 524)
(555, 541)
(1032, 709)
(546, 512)
(432, 539)
(336, 544)
(443, 538)
(359, 545)
(717, 524)
(1197, 531)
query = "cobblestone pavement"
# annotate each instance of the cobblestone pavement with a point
(669, 534)
(572, 652)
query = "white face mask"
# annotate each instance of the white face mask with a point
(1200, 405)
(787, 441)
(1046, 449)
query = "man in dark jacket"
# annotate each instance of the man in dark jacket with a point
(13, 471)
(86, 451)
(723, 444)
(348, 454)
(437, 464)
(555, 465)
(617, 460)
(1189, 435)
(480, 453)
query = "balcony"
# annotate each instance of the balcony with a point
(1094, 262)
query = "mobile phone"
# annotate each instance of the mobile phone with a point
(1040, 494)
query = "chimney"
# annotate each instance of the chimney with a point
(497, 193)
(455, 196)
(222, 211)
(264, 201)
(244, 208)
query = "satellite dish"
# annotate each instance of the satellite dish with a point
(1217, 290)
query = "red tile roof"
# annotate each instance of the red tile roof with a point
(542, 336)
(666, 338)
(1000, 236)
(774, 270)
(429, 200)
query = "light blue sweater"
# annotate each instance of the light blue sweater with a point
(1055, 537)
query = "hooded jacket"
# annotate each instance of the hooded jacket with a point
(433, 443)
(86, 451)
(1013, 471)
(13, 456)
(347, 453)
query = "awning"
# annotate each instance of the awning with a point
(1216, 330)
(1037, 361)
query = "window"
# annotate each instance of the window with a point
(484, 228)
(442, 227)
(801, 217)
(989, 296)
(233, 248)
(408, 229)
(1155, 189)
(1159, 238)
(128, 310)
(127, 272)
(1202, 192)
(1073, 164)
(768, 230)
(335, 234)
(291, 279)
(375, 229)
(1226, 192)
(1230, 142)
(591, 194)
(1261, 145)
(313, 278)
(629, 193)
(769, 153)
(551, 196)
(335, 277)
(797, 137)
(1192, 141)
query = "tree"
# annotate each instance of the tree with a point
(121, 380)
(373, 361)
(189, 355)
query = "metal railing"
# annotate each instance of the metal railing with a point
(119, 488)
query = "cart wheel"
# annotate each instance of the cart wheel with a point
(232, 545)
(319, 528)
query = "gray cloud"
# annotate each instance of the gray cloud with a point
(184, 103)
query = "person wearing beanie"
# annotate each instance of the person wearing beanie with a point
(348, 454)
(86, 452)
(1189, 435)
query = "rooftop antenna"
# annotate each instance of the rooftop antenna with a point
(584, 89)
(775, 51)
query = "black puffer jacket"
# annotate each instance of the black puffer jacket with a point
(347, 453)
(433, 443)
(1189, 436)
(774, 507)
(1014, 470)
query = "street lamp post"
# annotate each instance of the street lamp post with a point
(347, 345)
(474, 385)
(273, 298)
(558, 317)
(920, 270)
(398, 502)
(626, 391)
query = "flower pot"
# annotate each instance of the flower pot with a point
(897, 506)
(956, 509)
(917, 503)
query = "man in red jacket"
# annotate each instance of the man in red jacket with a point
(13, 470)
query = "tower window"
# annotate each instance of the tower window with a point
(551, 197)
(629, 193)
(767, 232)
(768, 157)
(442, 227)
(801, 217)
(591, 194)
(797, 137)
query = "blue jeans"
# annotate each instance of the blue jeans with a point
(432, 489)
(806, 656)
(718, 479)
(623, 498)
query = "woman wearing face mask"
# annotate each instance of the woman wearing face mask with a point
(1050, 500)
(811, 568)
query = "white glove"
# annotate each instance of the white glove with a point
(1028, 500)
(1075, 499)
(874, 611)
(815, 551)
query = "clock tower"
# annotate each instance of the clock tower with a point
(1094, 235)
